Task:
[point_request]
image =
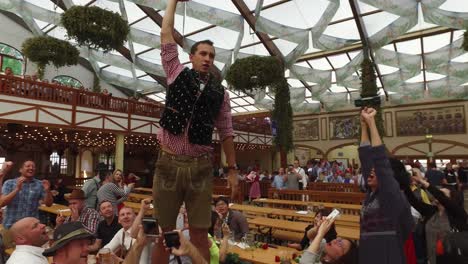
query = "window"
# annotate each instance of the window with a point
(11, 57)
(103, 160)
(67, 81)
(2, 160)
(54, 161)
(440, 163)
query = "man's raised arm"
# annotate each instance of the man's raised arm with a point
(167, 28)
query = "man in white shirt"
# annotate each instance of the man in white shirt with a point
(29, 235)
(123, 239)
(303, 176)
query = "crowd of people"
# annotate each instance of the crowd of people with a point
(405, 217)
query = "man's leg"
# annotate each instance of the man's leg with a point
(199, 238)
(167, 199)
(198, 204)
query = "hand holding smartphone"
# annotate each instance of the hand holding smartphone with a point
(150, 226)
(172, 239)
(334, 214)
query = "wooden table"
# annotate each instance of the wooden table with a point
(343, 220)
(143, 189)
(139, 196)
(262, 256)
(299, 227)
(252, 209)
(136, 207)
(354, 209)
(55, 208)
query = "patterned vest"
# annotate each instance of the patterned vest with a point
(186, 102)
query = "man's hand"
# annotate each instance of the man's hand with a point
(6, 167)
(19, 183)
(368, 115)
(146, 204)
(226, 230)
(75, 214)
(233, 182)
(46, 185)
(131, 185)
(185, 246)
(60, 219)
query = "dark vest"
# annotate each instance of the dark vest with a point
(183, 104)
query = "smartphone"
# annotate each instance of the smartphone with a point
(150, 226)
(334, 214)
(172, 239)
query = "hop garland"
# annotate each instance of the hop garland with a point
(95, 27)
(254, 72)
(282, 114)
(369, 89)
(465, 41)
(259, 72)
(44, 50)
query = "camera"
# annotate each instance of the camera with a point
(361, 102)
(172, 239)
(150, 226)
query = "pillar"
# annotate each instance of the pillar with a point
(119, 151)
(78, 165)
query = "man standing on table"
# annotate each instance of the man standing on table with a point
(195, 104)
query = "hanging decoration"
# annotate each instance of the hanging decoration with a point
(257, 73)
(95, 27)
(465, 40)
(282, 114)
(254, 72)
(44, 50)
(96, 83)
(369, 89)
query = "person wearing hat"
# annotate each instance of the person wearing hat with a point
(70, 244)
(79, 212)
(29, 235)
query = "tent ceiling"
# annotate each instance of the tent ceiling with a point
(415, 45)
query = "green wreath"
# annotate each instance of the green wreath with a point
(44, 50)
(95, 27)
(254, 72)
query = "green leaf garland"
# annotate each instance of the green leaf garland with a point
(282, 114)
(465, 41)
(369, 89)
(44, 50)
(95, 27)
(254, 72)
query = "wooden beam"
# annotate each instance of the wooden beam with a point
(358, 46)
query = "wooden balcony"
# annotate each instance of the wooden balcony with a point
(56, 93)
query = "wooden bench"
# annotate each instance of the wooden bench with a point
(317, 196)
(333, 187)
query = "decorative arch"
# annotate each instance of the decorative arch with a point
(339, 146)
(422, 141)
(67, 81)
(307, 146)
(13, 58)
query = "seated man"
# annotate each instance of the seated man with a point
(29, 235)
(123, 241)
(71, 244)
(79, 212)
(107, 228)
(234, 219)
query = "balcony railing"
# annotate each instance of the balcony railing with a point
(56, 93)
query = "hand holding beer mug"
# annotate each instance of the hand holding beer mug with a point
(105, 256)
